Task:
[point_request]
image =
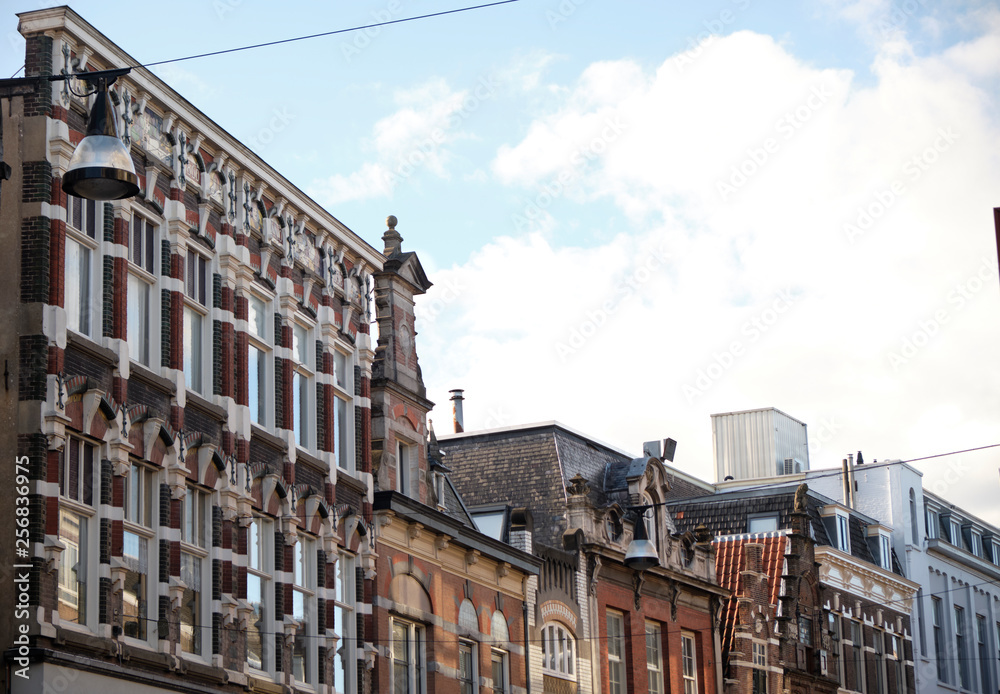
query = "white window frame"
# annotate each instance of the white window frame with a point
(689, 662)
(72, 503)
(654, 658)
(843, 522)
(858, 655)
(141, 496)
(977, 543)
(500, 657)
(343, 409)
(961, 646)
(469, 683)
(885, 551)
(195, 543)
(412, 648)
(303, 355)
(758, 659)
(932, 525)
(558, 651)
(405, 453)
(143, 264)
(83, 312)
(940, 642)
(617, 653)
(260, 560)
(304, 586)
(260, 401)
(345, 624)
(197, 307)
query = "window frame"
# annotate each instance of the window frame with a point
(304, 585)
(843, 523)
(414, 650)
(558, 651)
(86, 513)
(404, 466)
(345, 619)
(961, 646)
(689, 662)
(303, 356)
(197, 306)
(500, 657)
(260, 566)
(467, 666)
(143, 348)
(940, 647)
(259, 404)
(139, 514)
(654, 658)
(932, 524)
(343, 411)
(195, 543)
(81, 317)
(617, 652)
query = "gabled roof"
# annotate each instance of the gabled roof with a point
(730, 563)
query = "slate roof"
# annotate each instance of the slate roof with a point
(730, 562)
(728, 513)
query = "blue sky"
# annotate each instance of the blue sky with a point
(638, 213)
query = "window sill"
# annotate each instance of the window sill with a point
(91, 348)
(198, 401)
(144, 374)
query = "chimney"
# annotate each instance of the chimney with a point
(459, 416)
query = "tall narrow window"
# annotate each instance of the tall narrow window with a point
(654, 658)
(885, 552)
(960, 648)
(689, 663)
(343, 373)
(135, 553)
(984, 655)
(260, 539)
(304, 612)
(258, 359)
(403, 465)
(940, 652)
(194, 558)
(914, 536)
(83, 219)
(858, 656)
(141, 280)
(73, 567)
(931, 524)
(302, 385)
(407, 658)
(899, 671)
(879, 641)
(617, 682)
(195, 310)
(344, 624)
(466, 668)
(759, 667)
(500, 670)
(843, 533)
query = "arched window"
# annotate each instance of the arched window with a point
(498, 628)
(913, 517)
(558, 652)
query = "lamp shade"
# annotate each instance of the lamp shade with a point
(641, 554)
(101, 168)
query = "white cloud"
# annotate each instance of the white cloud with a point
(855, 228)
(415, 138)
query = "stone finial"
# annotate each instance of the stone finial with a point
(393, 241)
(578, 486)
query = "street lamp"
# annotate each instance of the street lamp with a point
(101, 167)
(641, 554)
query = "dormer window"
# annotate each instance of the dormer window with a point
(885, 552)
(931, 523)
(976, 546)
(762, 524)
(843, 533)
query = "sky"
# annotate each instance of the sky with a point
(637, 213)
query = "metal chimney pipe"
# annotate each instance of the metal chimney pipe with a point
(847, 484)
(457, 413)
(850, 466)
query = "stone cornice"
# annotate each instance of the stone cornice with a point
(841, 570)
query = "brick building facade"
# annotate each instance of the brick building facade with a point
(191, 405)
(449, 603)
(596, 625)
(818, 602)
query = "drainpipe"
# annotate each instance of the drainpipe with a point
(527, 646)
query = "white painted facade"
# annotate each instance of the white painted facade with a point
(954, 556)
